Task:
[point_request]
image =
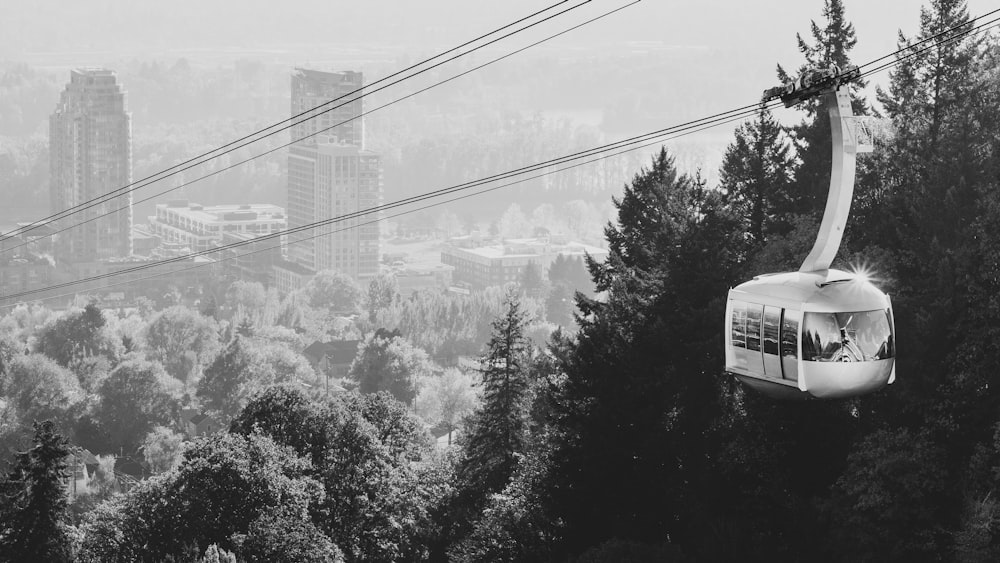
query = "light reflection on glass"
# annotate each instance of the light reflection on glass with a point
(847, 337)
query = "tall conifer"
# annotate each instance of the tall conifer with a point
(34, 515)
(629, 420)
(496, 433)
(831, 45)
(756, 177)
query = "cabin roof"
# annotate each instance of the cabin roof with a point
(822, 291)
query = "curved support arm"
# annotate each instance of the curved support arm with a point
(838, 202)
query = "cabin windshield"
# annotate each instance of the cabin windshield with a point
(847, 337)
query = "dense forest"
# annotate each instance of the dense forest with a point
(615, 438)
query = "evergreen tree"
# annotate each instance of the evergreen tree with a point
(756, 178)
(641, 386)
(34, 517)
(935, 184)
(532, 282)
(495, 435)
(229, 380)
(832, 43)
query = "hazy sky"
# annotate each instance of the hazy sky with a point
(720, 52)
(749, 34)
(757, 27)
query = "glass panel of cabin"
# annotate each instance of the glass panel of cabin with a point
(755, 313)
(790, 319)
(862, 336)
(738, 323)
(753, 355)
(769, 334)
(772, 318)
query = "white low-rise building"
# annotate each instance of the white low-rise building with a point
(200, 227)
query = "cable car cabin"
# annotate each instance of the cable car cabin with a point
(827, 334)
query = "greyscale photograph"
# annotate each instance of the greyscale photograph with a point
(567, 281)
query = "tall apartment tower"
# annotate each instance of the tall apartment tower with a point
(90, 155)
(330, 175)
(313, 88)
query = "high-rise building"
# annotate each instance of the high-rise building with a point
(330, 175)
(313, 88)
(332, 180)
(90, 155)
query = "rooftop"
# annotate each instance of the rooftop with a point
(226, 212)
(326, 76)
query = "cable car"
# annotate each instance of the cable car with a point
(817, 332)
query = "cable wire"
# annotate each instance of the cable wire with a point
(373, 221)
(917, 52)
(190, 162)
(747, 111)
(321, 131)
(931, 38)
(691, 127)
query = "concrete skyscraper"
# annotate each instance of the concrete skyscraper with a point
(329, 175)
(90, 155)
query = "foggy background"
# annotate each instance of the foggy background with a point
(198, 74)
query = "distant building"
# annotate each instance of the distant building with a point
(144, 242)
(150, 280)
(90, 155)
(28, 238)
(412, 278)
(198, 423)
(201, 227)
(253, 260)
(25, 272)
(496, 265)
(290, 276)
(331, 175)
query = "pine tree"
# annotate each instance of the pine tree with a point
(936, 182)
(496, 434)
(756, 178)
(34, 515)
(532, 282)
(223, 388)
(831, 45)
(629, 419)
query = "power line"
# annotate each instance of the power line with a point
(911, 52)
(181, 167)
(731, 119)
(292, 142)
(933, 37)
(716, 119)
(731, 115)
